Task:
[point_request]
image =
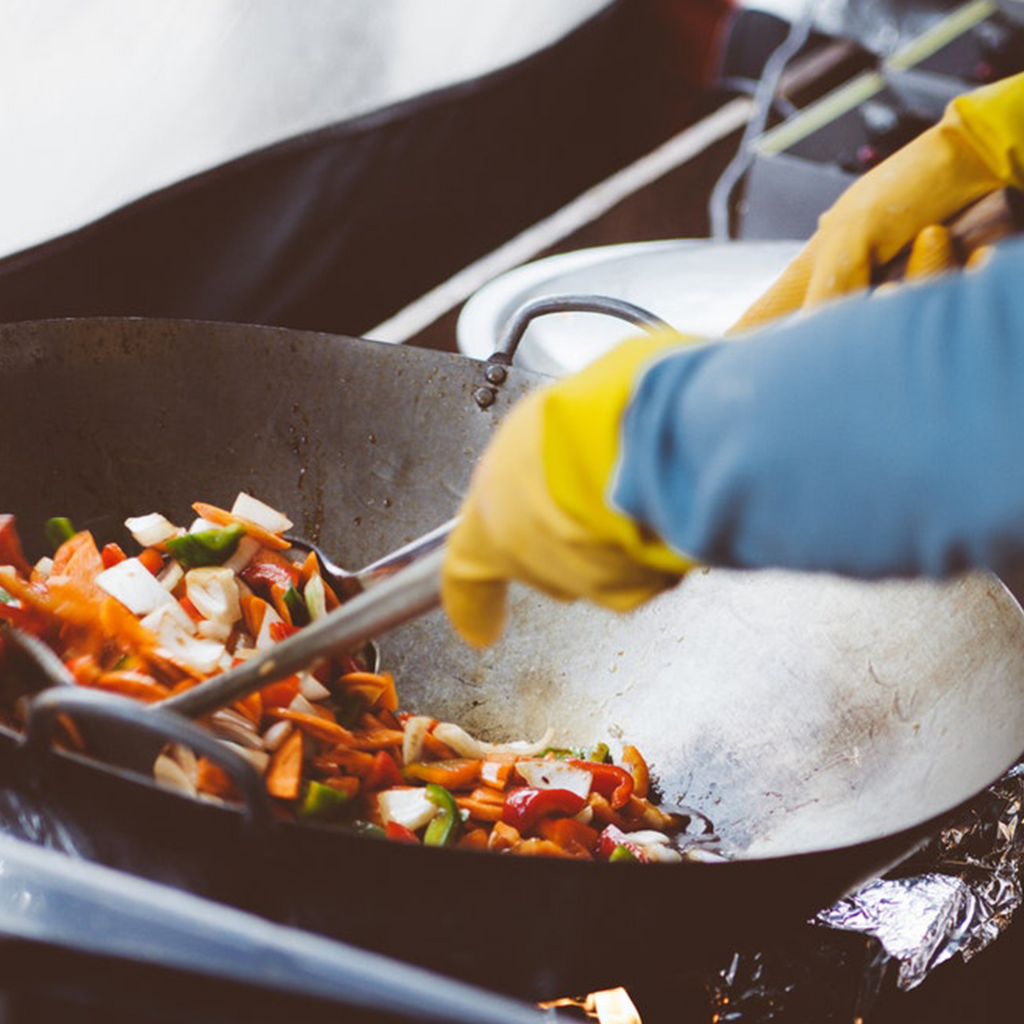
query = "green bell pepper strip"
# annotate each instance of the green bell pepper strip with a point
(322, 802)
(296, 607)
(443, 828)
(205, 547)
(58, 530)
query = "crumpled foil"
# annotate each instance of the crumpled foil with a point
(951, 899)
(956, 897)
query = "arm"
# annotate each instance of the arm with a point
(881, 436)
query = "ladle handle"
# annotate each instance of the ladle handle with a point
(410, 592)
(133, 735)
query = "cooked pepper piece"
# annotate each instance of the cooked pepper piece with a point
(323, 803)
(443, 829)
(10, 545)
(524, 806)
(205, 547)
(58, 529)
(610, 780)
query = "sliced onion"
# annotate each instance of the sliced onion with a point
(248, 507)
(214, 592)
(44, 566)
(131, 583)
(151, 529)
(258, 758)
(169, 773)
(311, 688)
(247, 547)
(416, 729)
(555, 775)
(277, 734)
(171, 574)
(409, 807)
(469, 746)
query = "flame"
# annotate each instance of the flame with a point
(609, 1006)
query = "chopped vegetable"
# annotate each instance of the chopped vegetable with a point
(208, 547)
(331, 743)
(58, 530)
(443, 828)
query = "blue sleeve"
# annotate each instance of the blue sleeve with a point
(883, 435)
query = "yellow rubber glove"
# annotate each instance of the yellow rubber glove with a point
(977, 147)
(537, 508)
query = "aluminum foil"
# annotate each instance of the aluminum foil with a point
(956, 897)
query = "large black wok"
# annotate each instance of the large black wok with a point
(824, 725)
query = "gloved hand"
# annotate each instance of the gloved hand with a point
(977, 147)
(538, 511)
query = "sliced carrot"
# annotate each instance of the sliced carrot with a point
(284, 773)
(355, 762)
(212, 779)
(436, 749)
(258, 533)
(482, 804)
(379, 686)
(281, 693)
(309, 568)
(452, 773)
(375, 739)
(496, 770)
(152, 559)
(503, 837)
(85, 668)
(570, 834)
(251, 707)
(473, 839)
(253, 610)
(321, 728)
(137, 685)
(535, 847)
(603, 812)
(190, 609)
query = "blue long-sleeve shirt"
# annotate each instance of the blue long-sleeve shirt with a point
(883, 435)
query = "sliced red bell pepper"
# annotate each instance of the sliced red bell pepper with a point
(112, 554)
(611, 781)
(401, 834)
(383, 773)
(614, 839)
(10, 545)
(524, 805)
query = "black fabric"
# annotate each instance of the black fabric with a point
(338, 229)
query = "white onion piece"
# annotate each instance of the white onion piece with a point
(214, 592)
(151, 529)
(178, 642)
(186, 757)
(201, 525)
(169, 773)
(469, 746)
(416, 729)
(258, 758)
(301, 705)
(44, 566)
(316, 598)
(408, 807)
(248, 507)
(264, 639)
(213, 629)
(247, 547)
(311, 688)
(555, 775)
(277, 734)
(131, 583)
(171, 574)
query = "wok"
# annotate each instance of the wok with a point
(824, 725)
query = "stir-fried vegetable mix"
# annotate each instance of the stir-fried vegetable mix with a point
(332, 743)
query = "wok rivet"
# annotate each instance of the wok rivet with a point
(496, 374)
(484, 397)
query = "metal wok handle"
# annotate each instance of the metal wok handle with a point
(133, 734)
(516, 325)
(496, 367)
